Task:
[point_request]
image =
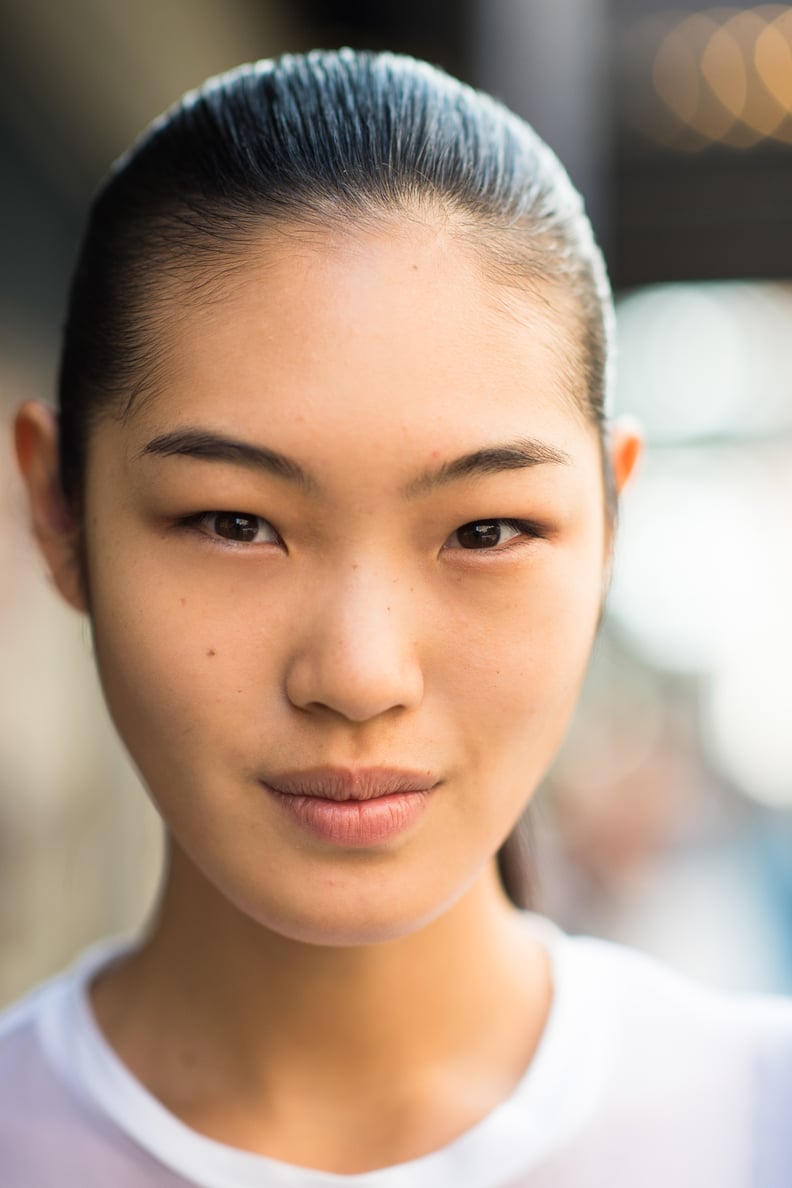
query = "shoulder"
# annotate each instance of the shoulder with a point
(39, 1024)
(33, 1101)
(22, 1021)
(32, 1028)
(691, 1078)
(50, 1132)
(637, 989)
(20, 1032)
(667, 1040)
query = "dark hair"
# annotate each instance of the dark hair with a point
(314, 140)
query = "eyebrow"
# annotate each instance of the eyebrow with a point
(515, 455)
(216, 447)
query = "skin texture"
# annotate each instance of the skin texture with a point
(285, 971)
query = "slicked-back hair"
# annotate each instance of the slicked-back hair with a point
(317, 139)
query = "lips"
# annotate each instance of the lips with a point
(337, 783)
(353, 807)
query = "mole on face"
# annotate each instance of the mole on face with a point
(210, 651)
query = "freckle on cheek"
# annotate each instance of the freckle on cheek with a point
(210, 651)
(183, 601)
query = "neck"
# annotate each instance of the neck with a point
(211, 990)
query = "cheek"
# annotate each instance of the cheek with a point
(533, 633)
(189, 667)
(516, 670)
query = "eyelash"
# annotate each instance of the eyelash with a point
(525, 528)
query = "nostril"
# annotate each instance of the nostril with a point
(354, 683)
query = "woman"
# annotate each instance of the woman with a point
(333, 481)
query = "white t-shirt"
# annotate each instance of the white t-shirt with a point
(641, 1080)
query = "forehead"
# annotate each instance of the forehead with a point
(397, 328)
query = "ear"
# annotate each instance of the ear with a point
(57, 534)
(624, 443)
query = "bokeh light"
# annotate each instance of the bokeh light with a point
(722, 75)
(703, 579)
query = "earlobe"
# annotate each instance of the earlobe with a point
(625, 446)
(57, 534)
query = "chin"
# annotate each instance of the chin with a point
(363, 903)
(340, 925)
(347, 917)
(345, 933)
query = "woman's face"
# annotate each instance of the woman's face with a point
(358, 527)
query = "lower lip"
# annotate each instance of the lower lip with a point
(354, 822)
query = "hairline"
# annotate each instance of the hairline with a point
(188, 278)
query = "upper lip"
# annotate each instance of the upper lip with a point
(349, 783)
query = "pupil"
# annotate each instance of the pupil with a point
(236, 526)
(479, 534)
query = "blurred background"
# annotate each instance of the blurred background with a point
(667, 820)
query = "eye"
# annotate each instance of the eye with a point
(489, 534)
(237, 527)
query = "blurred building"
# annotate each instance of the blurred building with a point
(666, 820)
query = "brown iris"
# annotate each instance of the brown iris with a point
(480, 534)
(236, 526)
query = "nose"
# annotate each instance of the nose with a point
(355, 651)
